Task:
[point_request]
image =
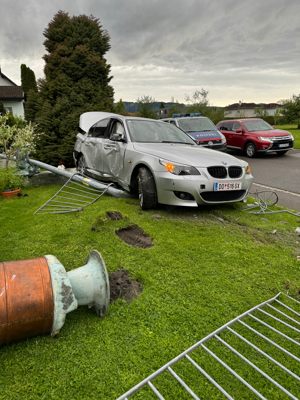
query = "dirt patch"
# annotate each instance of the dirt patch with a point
(114, 215)
(121, 286)
(135, 236)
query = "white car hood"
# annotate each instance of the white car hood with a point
(189, 155)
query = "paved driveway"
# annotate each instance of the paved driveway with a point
(278, 173)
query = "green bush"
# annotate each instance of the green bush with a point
(10, 179)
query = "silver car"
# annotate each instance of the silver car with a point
(157, 161)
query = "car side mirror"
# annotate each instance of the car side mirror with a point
(273, 126)
(239, 131)
(118, 137)
(80, 137)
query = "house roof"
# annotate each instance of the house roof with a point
(11, 93)
(251, 105)
(5, 77)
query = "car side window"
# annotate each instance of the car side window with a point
(226, 126)
(100, 128)
(117, 127)
(173, 122)
(235, 126)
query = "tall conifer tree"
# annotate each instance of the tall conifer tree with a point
(76, 81)
(28, 80)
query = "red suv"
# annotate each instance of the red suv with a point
(254, 135)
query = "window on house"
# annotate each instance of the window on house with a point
(9, 109)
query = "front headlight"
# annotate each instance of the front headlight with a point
(292, 137)
(179, 169)
(222, 137)
(265, 139)
(247, 169)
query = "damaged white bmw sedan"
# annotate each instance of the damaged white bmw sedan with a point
(157, 161)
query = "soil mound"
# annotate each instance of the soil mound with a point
(121, 286)
(135, 236)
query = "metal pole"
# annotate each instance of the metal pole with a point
(81, 179)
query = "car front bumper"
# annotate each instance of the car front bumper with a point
(200, 188)
(267, 147)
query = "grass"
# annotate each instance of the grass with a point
(294, 131)
(200, 273)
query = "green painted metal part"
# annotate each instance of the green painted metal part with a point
(91, 284)
(64, 300)
(87, 285)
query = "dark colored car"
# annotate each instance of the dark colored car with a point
(254, 135)
(200, 129)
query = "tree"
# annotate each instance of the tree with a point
(291, 111)
(2, 108)
(174, 109)
(260, 112)
(162, 105)
(76, 81)
(277, 115)
(28, 81)
(198, 102)
(145, 107)
(120, 108)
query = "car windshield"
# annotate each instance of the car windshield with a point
(156, 132)
(257, 125)
(196, 124)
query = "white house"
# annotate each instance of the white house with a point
(11, 95)
(246, 110)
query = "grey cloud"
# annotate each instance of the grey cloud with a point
(226, 46)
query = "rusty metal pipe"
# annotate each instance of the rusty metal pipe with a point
(36, 294)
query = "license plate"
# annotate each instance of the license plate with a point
(283, 145)
(227, 186)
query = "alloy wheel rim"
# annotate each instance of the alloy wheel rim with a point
(250, 150)
(140, 190)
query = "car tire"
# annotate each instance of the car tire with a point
(146, 189)
(281, 153)
(81, 165)
(250, 150)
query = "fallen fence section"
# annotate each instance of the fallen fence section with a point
(268, 334)
(71, 199)
(264, 200)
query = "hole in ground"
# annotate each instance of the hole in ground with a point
(121, 286)
(135, 236)
(114, 215)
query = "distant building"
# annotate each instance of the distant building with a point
(246, 110)
(11, 95)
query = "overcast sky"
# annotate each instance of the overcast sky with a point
(246, 50)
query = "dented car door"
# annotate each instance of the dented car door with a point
(113, 149)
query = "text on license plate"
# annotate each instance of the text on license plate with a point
(228, 186)
(283, 145)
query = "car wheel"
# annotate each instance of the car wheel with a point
(81, 165)
(146, 189)
(281, 153)
(250, 150)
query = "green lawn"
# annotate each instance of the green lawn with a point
(200, 273)
(294, 131)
